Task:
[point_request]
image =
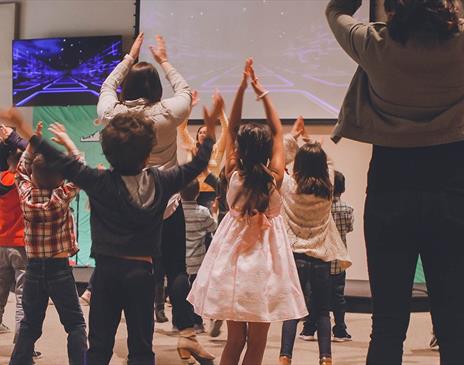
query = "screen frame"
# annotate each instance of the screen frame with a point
(121, 51)
(308, 121)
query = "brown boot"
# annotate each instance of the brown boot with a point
(285, 360)
(190, 349)
(325, 361)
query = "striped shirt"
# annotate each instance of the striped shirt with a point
(198, 222)
(343, 216)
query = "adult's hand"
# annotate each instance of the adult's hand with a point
(135, 49)
(159, 52)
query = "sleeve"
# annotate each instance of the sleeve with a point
(179, 105)
(176, 178)
(108, 95)
(290, 148)
(15, 141)
(23, 176)
(212, 180)
(72, 168)
(350, 33)
(210, 223)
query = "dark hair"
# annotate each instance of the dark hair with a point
(254, 147)
(339, 183)
(127, 141)
(142, 81)
(13, 156)
(422, 19)
(311, 172)
(191, 191)
(45, 177)
(198, 133)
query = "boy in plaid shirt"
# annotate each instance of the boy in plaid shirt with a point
(49, 240)
(344, 220)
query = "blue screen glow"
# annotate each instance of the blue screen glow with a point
(62, 71)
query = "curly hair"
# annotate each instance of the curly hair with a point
(422, 19)
(127, 142)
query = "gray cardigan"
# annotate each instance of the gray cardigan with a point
(400, 96)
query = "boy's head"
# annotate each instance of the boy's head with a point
(339, 185)
(127, 142)
(44, 177)
(191, 191)
(12, 159)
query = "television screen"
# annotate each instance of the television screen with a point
(62, 71)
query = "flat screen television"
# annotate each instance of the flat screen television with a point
(62, 71)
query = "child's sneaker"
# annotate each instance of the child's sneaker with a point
(306, 335)
(199, 328)
(341, 337)
(4, 328)
(215, 330)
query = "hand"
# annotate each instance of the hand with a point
(38, 129)
(211, 118)
(61, 137)
(298, 128)
(195, 98)
(12, 116)
(135, 49)
(159, 52)
(257, 87)
(5, 132)
(246, 74)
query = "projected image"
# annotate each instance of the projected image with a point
(62, 71)
(296, 55)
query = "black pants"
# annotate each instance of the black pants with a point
(173, 261)
(315, 283)
(338, 302)
(121, 285)
(50, 278)
(414, 207)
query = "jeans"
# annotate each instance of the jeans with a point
(173, 260)
(314, 275)
(44, 279)
(121, 285)
(196, 318)
(399, 226)
(160, 296)
(12, 274)
(338, 302)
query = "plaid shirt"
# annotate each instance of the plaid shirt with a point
(48, 221)
(343, 216)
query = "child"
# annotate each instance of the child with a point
(307, 200)
(127, 206)
(198, 223)
(342, 214)
(49, 241)
(12, 252)
(248, 276)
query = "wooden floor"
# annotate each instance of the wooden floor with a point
(53, 343)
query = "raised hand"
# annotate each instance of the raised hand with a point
(195, 98)
(62, 138)
(246, 73)
(159, 52)
(38, 129)
(5, 132)
(298, 128)
(135, 49)
(257, 87)
(211, 118)
(12, 116)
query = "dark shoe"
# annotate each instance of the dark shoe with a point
(36, 355)
(215, 330)
(306, 335)
(199, 328)
(341, 337)
(161, 316)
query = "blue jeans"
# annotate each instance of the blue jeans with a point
(314, 275)
(50, 278)
(121, 285)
